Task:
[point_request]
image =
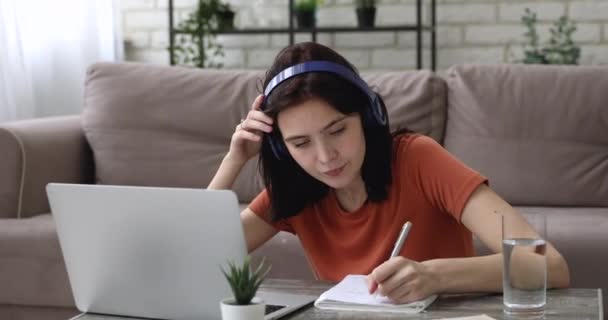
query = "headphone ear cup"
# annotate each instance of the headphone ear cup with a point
(369, 119)
(378, 110)
(375, 114)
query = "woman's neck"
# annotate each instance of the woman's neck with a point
(353, 196)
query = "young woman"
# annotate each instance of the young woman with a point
(336, 177)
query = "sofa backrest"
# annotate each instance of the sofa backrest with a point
(169, 126)
(540, 133)
(159, 126)
(415, 100)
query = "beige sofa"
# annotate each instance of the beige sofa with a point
(539, 133)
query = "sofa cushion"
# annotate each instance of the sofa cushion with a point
(32, 271)
(11, 171)
(36, 152)
(540, 133)
(170, 126)
(579, 234)
(415, 100)
(166, 126)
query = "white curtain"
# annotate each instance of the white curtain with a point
(45, 49)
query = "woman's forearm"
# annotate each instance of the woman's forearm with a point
(475, 274)
(484, 273)
(227, 173)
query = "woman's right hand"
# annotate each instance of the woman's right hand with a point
(247, 137)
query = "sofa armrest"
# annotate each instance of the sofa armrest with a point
(36, 152)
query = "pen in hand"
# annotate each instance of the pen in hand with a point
(405, 230)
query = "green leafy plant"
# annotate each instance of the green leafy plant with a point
(197, 43)
(307, 5)
(225, 7)
(365, 3)
(560, 49)
(243, 282)
(225, 15)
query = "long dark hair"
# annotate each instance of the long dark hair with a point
(290, 188)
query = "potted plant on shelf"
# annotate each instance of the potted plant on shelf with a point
(225, 17)
(196, 44)
(305, 12)
(366, 13)
(244, 284)
(560, 49)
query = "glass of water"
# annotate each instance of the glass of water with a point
(524, 276)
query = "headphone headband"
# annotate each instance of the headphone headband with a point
(319, 66)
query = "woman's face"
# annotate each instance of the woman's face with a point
(327, 144)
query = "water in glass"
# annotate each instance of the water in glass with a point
(524, 276)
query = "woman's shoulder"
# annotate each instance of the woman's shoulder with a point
(415, 152)
(413, 144)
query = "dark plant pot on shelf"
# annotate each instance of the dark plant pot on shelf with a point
(366, 17)
(225, 20)
(305, 19)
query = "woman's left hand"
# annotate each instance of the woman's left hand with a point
(403, 280)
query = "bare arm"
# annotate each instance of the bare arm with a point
(244, 145)
(257, 231)
(404, 280)
(482, 215)
(227, 173)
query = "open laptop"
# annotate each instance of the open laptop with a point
(152, 252)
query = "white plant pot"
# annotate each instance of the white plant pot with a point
(253, 311)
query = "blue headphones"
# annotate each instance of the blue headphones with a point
(374, 116)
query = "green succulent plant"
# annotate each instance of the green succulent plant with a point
(243, 282)
(307, 5)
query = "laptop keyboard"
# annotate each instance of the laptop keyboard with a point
(270, 308)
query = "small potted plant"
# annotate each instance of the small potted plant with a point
(244, 284)
(560, 49)
(225, 17)
(197, 43)
(366, 13)
(305, 12)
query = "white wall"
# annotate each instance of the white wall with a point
(480, 31)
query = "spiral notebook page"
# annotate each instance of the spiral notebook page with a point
(352, 294)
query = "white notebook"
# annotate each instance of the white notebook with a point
(351, 294)
(475, 317)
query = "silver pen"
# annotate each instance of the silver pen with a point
(405, 230)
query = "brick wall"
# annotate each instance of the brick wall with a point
(479, 31)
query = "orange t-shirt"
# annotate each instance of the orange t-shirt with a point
(430, 188)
